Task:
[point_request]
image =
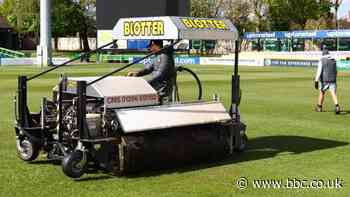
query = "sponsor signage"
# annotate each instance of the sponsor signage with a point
(292, 63)
(156, 27)
(187, 60)
(178, 60)
(299, 34)
(216, 61)
(230, 61)
(194, 23)
(343, 64)
(18, 61)
(131, 100)
(144, 28)
(174, 28)
(28, 61)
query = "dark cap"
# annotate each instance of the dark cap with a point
(156, 42)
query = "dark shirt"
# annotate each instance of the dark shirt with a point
(163, 73)
(326, 69)
(329, 70)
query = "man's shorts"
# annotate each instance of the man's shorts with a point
(331, 86)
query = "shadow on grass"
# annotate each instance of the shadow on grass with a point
(259, 148)
(95, 178)
(270, 146)
(294, 144)
(40, 162)
(345, 112)
(44, 162)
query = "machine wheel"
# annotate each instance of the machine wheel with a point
(73, 165)
(241, 147)
(27, 150)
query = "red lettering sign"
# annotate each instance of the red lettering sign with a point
(132, 99)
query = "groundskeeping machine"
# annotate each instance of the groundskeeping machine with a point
(117, 124)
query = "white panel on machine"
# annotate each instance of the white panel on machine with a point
(118, 91)
(169, 116)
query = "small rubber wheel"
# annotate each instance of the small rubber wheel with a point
(243, 145)
(73, 164)
(27, 150)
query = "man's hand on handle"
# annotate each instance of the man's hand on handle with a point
(132, 74)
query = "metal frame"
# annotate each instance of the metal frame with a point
(23, 120)
(22, 101)
(235, 86)
(84, 140)
(81, 110)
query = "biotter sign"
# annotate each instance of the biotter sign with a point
(144, 28)
(204, 23)
(174, 28)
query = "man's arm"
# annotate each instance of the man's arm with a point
(147, 70)
(336, 68)
(162, 71)
(319, 71)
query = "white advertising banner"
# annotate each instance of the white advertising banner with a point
(230, 61)
(27, 61)
(105, 37)
(18, 61)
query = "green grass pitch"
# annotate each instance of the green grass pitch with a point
(287, 139)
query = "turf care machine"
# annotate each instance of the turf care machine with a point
(118, 125)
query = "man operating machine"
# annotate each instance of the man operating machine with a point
(162, 70)
(116, 124)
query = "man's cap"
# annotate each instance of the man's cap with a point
(156, 42)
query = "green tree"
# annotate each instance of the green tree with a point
(206, 8)
(238, 11)
(260, 10)
(64, 19)
(294, 14)
(87, 17)
(319, 24)
(69, 17)
(344, 24)
(23, 15)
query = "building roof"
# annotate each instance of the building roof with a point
(4, 24)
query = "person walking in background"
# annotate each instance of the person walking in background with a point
(326, 79)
